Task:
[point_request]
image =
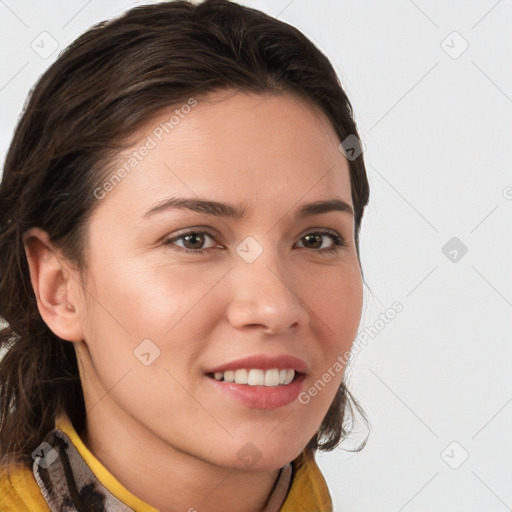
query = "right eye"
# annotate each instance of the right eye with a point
(194, 239)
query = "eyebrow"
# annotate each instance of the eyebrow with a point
(220, 209)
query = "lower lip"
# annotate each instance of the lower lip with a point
(261, 397)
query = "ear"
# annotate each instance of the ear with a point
(55, 286)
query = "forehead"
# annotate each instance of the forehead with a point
(255, 148)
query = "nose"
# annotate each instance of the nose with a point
(266, 297)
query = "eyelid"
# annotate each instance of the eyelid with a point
(321, 230)
(194, 229)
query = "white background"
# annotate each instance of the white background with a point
(437, 126)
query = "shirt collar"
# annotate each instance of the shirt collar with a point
(71, 478)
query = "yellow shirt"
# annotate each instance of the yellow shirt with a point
(20, 492)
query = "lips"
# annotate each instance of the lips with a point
(260, 381)
(262, 362)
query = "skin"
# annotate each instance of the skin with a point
(162, 430)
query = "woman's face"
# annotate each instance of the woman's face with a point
(178, 298)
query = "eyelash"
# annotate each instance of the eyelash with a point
(338, 241)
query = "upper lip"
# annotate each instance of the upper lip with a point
(263, 362)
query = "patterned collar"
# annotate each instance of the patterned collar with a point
(68, 484)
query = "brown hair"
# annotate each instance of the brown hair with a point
(102, 88)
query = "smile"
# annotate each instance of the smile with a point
(260, 381)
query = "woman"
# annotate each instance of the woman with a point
(180, 274)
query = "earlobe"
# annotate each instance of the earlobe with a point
(53, 284)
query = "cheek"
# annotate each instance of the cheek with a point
(138, 333)
(147, 300)
(337, 306)
(136, 301)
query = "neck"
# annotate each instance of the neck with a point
(165, 477)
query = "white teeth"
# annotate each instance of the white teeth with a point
(241, 376)
(229, 376)
(290, 374)
(272, 377)
(256, 377)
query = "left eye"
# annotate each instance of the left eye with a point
(337, 241)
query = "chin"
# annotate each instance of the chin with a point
(251, 457)
(269, 445)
